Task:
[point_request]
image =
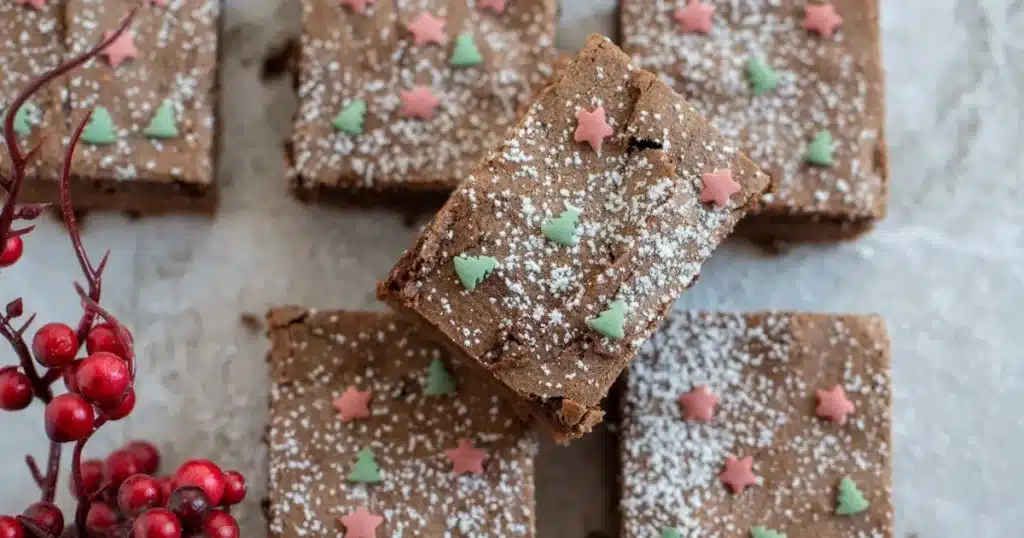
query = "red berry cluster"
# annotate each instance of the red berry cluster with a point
(121, 496)
(126, 500)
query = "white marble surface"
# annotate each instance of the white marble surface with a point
(946, 270)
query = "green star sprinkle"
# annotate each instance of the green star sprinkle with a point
(849, 500)
(365, 470)
(439, 381)
(163, 124)
(100, 129)
(563, 228)
(465, 53)
(763, 78)
(350, 120)
(610, 322)
(670, 532)
(819, 153)
(473, 269)
(761, 532)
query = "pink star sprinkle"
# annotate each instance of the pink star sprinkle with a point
(718, 187)
(359, 6)
(36, 4)
(418, 103)
(698, 404)
(426, 28)
(467, 459)
(592, 127)
(695, 17)
(834, 405)
(361, 523)
(822, 18)
(121, 49)
(353, 404)
(738, 473)
(498, 6)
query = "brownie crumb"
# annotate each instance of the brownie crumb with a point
(252, 322)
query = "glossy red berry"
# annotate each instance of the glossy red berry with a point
(13, 249)
(10, 528)
(147, 454)
(191, 505)
(55, 344)
(203, 474)
(234, 488)
(120, 465)
(103, 338)
(139, 493)
(92, 477)
(70, 375)
(15, 390)
(68, 417)
(47, 516)
(103, 378)
(124, 408)
(100, 517)
(156, 523)
(220, 524)
(166, 485)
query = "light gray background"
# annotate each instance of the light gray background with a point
(946, 269)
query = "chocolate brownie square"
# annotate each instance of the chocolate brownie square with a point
(554, 261)
(149, 147)
(398, 100)
(372, 433)
(799, 84)
(29, 46)
(744, 425)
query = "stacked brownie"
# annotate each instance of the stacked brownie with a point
(586, 199)
(149, 144)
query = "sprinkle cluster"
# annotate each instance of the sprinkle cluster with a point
(591, 247)
(152, 93)
(403, 460)
(411, 78)
(773, 76)
(766, 460)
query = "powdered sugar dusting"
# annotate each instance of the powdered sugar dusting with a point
(765, 369)
(312, 450)
(832, 84)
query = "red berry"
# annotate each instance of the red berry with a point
(234, 488)
(103, 338)
(191, 505)
(70, 375)
(139, 493)
(120, 465)
(47, 516)
(124, 408)
(203, 474)
(100, 517)
(221, 525)
(68, 417)
(10, 528)
(55, 344)
(156, 523)
(103, 379)
(147, 454)
(12, 251)
(166, 486)
(15, 390)
(92, 477)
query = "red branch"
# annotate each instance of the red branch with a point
(11, 212)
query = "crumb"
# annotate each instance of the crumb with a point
(252, 322)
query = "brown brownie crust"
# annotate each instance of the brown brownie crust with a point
(644, 236)
(348, 56)
(315, 356)
(834, 84)
(766, 370)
